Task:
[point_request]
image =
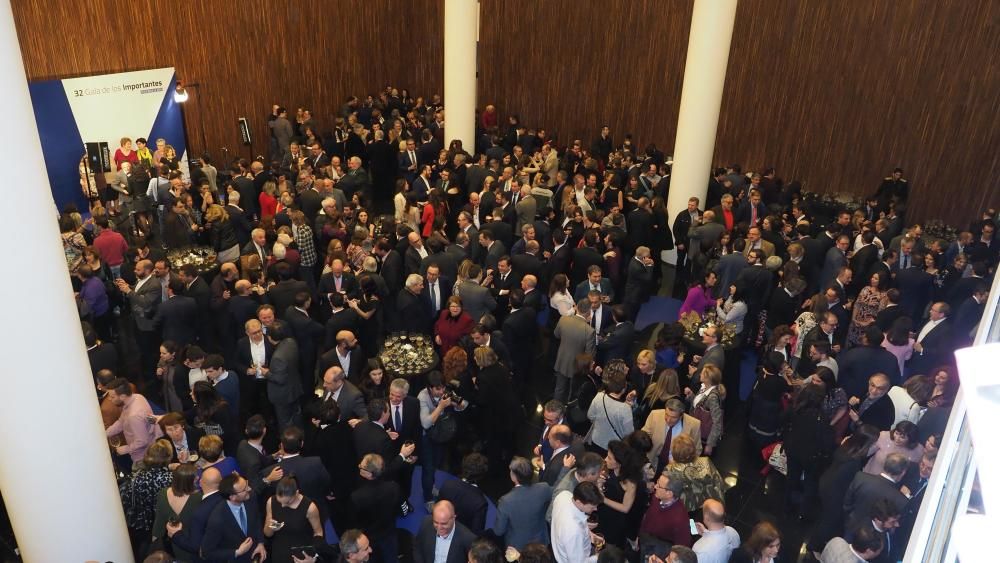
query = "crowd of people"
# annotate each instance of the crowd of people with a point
(248, 403)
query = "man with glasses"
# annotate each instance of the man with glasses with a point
(235, 529)
(876, 407)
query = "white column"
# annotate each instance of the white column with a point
(461, 32)
(704, 77)
(56, 473)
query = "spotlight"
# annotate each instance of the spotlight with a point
(180, 94)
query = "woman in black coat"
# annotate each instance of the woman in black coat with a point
(499, 410)
(848, 459)
(808, 444)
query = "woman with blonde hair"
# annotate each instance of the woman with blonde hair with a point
(221, 234)
(706, 405)
(656, 394)
(268, 200)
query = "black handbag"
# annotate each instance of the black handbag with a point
(444, 429)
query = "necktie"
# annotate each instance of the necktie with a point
(337, 282)
(413, 158)
(665, 451)
(243, 518)
(753, 214)
(434, 299)
(397, 420)
(906, 261)
(593, 320)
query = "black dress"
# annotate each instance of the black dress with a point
(616, 526)
(296, 532)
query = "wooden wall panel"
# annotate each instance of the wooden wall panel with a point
(832, 93)
(246, 55)
(835, 94)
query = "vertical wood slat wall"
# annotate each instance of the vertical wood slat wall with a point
(831, 93)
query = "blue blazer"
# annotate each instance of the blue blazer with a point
(223, 534)
(583, 288)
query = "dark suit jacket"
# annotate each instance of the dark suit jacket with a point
(864, 491)
(391, 269)
(412, 261)
(334, 445)
(423, 543)
(251, 462)
(583, 259)
(309, 334)
(861, 263)
(915, 290)
(243, 358)
(178, 318)
(444, 286)
(313, 479)
(887, 317)
(376, 504)
(345, 319)
(351, 402)
(410, 430)
(638, 284)
(966, 318)
(284, 385)
(470, 504)
(881, 414)
(411, 315)
(583, 289)
(190, 537)
(241, 224)
(492, 255)
(370, 438)
(104, 356)
(520, 334)
(327, 285)
(554, 468)
(856, 365)
(282, 294)
(616, 344)
(727, 270)
(559, 263)
(223, 534)
(356, 367)
(938, 349)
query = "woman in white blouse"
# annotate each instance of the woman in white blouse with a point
(560, 298)
(733, 309)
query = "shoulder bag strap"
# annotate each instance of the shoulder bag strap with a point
(604, 402)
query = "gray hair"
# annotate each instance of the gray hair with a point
(675, 483)
(278, 250)
(369, 264)
(583, 307)
(400, 384)
(413, 280)
(234, 197)
(642, 252)
(349, 542)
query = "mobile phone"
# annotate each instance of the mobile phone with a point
(694, 527)
(303, 551)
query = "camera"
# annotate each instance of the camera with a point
(453, 396)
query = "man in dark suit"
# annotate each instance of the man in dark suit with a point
(970, 312)
(197, 288)
(234, 531)
(934, 345)
(469, 502)
(308, 333)
(859, 363)
(282, 294)
(284, 385)
(617, 339)
(340, 279)
(442, 522)
(520, 335)
(834, 259)
(377, 501)
(562, 444)
(253, 355)
(312, 477)
(372, 437)
(189, 536)
(638, 281)
(224, 382)
(102, 355)
(390, 266)
(481, 335)
(561, 256)
(500, 283)
(640, 223)
(437, 290)
(252, 457)
(408, 163)
(346, 355)
(867, 489)
(594, 282)
(311, 201)
(528, 262)
(965, 287)
(914, 487)
(916, 287)
(341, 318)
(411, 314)
(346, 395)
(888, 316)
(876, 407)
(786, 301)
(585, 257)
(682, 224)
(241, 224)
(729, 267)
(532, 295)
(493, 249)
(862, 262)
(177, 317)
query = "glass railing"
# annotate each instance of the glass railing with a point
(945, 529)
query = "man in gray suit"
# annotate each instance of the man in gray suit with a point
(348, 397)
(836, 258)
(526, 208)
(866, 546)
(476, 299)
(702, 237)
(521, 512)
(714, 355)
(729, 268)
(283, 384)
(576, 337)
(143, 301)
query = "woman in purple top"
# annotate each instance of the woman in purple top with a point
(699, 298)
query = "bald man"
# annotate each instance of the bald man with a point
(240, 307)
(187, 539)
(441, 531)
(717, 539)
(347, 355)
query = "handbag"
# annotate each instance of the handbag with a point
(778, 459)
(705, 417)
(444, 429)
